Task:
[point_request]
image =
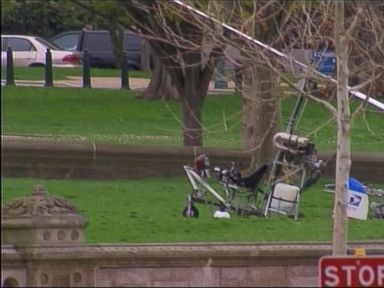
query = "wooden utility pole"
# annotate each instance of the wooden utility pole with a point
(343, 158)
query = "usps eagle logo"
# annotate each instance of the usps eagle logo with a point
(354, 200)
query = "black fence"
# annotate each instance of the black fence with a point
(48, 68)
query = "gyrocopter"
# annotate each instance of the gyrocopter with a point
(272, 187)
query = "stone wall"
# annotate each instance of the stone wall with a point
(170, 265)
(24, 157)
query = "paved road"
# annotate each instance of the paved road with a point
(107, 83)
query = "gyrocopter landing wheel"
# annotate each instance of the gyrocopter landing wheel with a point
(191, 212)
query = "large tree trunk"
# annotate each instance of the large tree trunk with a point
(260, 110)
(260, 99)
(343, 158)
(145, 56)
(160, 86)
(194, 90)
(191, 113)
(117, 36)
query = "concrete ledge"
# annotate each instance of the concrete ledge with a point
(240, 252)
(365, 167)
(31, 157)
(172, 264)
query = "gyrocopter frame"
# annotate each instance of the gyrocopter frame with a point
(272, 187)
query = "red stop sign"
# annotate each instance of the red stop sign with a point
(351, 271)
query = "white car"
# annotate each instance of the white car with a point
(31, 51)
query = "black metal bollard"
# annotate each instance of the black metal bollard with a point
(48, 69)
(124, 72)
(86, 69)
(238, 79)
(10, 72)
(220, 81)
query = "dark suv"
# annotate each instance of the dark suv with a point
(99, 45)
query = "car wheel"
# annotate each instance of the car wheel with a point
(133, 66)
(37, 65)
(151, 63)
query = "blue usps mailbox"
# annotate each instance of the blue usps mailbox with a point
(358, 202)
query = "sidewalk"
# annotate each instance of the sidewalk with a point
(109, 83)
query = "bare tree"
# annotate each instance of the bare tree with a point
(178, 42)
(366, 44)
(343, 157)
(260, 84)
(367, 69)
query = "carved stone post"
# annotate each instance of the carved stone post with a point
(38, 225)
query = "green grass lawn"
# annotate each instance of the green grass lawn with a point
(150, 211)
(38, 73)
(116, 116)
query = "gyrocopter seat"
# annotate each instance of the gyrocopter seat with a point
(202, 165)
(252, 181)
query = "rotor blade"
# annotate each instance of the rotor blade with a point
(356, 94)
